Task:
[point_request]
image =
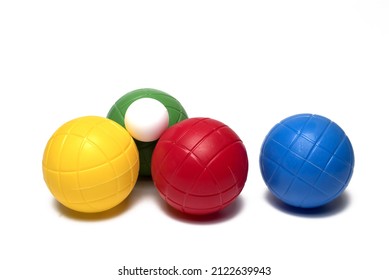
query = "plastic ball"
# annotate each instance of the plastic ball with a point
(306, 160)
(90, 164)
(142, 125)
(199, 166)
(174, 108)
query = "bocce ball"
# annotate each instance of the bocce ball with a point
(90, 164)
(199, 166)
(146, 113)
(306, 160)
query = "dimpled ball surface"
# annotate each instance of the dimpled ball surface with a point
(118, 111)
(306, 160)
(199, 166)
(90, 164)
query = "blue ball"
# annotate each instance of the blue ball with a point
(306, 160)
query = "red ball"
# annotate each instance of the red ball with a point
(199, 166)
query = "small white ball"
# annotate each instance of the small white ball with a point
(146, 119)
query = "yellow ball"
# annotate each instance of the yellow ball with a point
(90, 164)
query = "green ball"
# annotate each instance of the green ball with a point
(176, 114)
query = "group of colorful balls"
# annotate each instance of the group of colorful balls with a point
(198, 165)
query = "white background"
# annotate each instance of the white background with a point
(248, 64)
